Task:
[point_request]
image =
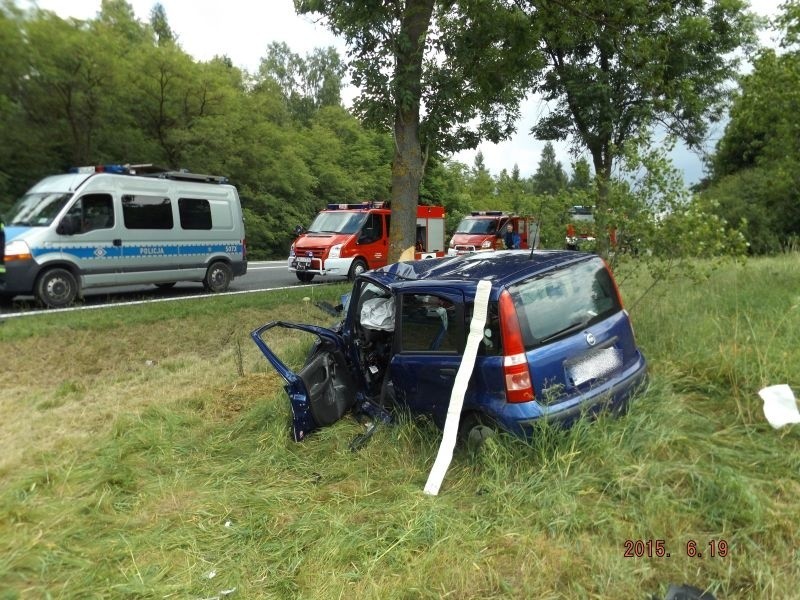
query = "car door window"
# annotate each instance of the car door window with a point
(428, 324)
(91, 212)
(372, 230)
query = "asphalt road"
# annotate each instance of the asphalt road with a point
(261, 275)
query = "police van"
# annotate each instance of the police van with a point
(120, 225)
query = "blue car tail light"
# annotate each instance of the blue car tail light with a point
(516, 372)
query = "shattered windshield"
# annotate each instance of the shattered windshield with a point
(37, 210)
(472, 225)
(337, 222)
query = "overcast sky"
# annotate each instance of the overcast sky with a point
(242, 30)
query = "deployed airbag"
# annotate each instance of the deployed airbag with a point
(378, 313)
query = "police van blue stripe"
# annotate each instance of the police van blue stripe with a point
(142, 251)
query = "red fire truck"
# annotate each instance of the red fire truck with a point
(345, 240)
(484, 229)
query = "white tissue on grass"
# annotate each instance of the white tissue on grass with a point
(780, 406)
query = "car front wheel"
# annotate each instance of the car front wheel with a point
(304, 277)
(56, 288)
(357, 268)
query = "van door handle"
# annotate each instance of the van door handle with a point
(448, 372)
(117, 242)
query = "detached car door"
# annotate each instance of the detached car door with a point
(324, 389)
(429, 344)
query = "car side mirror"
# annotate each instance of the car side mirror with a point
(69, 225)
(299, 230)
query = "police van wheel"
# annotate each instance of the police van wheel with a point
(356, 269)
(304, 277)
(56, 288)
(218, 277)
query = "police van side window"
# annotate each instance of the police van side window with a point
(194, 213)
(146, 212)
(91, 212)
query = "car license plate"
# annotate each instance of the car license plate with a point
(302, 262)
(594, 365)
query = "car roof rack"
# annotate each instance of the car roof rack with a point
(151, 170)
(186, 176)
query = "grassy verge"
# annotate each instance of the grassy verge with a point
(146, 454)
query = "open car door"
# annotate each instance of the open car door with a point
(324, 389)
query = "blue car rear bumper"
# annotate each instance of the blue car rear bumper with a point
(612, 396)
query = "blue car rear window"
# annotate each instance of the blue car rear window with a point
(562, 302)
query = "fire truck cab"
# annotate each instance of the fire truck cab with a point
(483, 230)
(344, 240)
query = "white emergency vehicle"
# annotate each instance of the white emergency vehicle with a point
(119, 225)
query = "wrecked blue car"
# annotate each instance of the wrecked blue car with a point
(557, 344)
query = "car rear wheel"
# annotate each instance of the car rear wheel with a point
(305, 277)
(357, 268)
(473, 431)
(218, 277)
(56, 288)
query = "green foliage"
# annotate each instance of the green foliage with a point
(549, 178)
(756, 168)
(764, 200)
(660, 228)
(307, 84)
(614, 69)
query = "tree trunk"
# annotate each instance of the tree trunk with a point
(602, 167)
(407, 165)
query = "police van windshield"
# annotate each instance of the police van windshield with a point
(337, 222)
(37, 210)
(472, 225)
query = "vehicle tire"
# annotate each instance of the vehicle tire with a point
(473, 431)
(165, 286)
(56, 288)
(304, 276)
(357, 268)
(218, 277)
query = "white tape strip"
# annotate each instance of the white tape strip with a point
(445, 454)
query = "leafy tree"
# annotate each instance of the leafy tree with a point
(581, 175)
(481, 185)
(511, 191)
(760, 129)
(118, 17)
(14, 161)
(308, 83)
(617, 68)
(755, 172)
(160, 25)
(67, 88)
(462, 61)
(549, 177)
(349, 163)
(446, 183)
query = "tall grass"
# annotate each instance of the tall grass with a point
(138, 461)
